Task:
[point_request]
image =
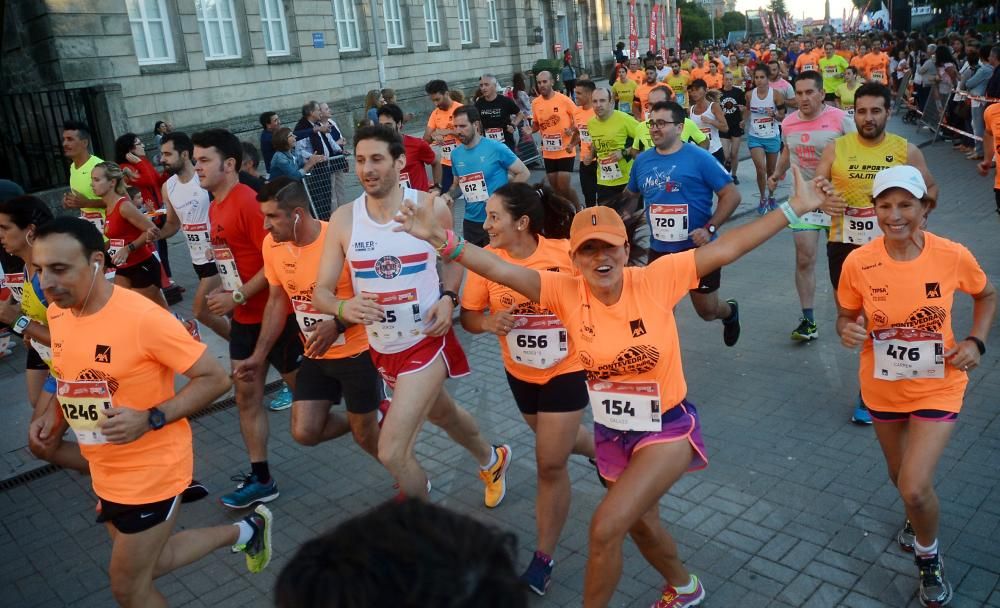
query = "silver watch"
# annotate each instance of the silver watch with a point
(239, 297)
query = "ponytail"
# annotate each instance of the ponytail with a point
(549, 213)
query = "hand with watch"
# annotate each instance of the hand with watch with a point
(125, 425)
(966, 354)
(703, 236)
(439, 317)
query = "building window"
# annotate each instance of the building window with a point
(217, 24)
(491, 13)
(272, 21)
(393, 25)
(151, 31)
(464, 21)
(346, 17)
(431, 23)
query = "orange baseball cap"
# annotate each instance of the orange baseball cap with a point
(601, 223)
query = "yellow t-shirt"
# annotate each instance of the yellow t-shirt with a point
(79, 181)
(854, 170)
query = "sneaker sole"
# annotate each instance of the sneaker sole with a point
(503, 476)
(279, 408)
(268, 523)
(267, 498)
(538, 592)
(804, 337)
(861, 422)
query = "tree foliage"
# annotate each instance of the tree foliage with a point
(778, 7)
(732, 21)
(695, 24)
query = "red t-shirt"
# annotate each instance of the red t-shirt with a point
(238, 225)
(148, 181)
(419, 154)
(120, 232)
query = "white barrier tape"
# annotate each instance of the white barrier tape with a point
(966, 133)
(964, 95)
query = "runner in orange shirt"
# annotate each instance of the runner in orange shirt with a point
(713, 77)
(991, 144)
(584, 112)
(440, 131)
(640, 109)
(115, 355)
(808, 59)
(636, 71)
(876, 66)
(552, 115)
(528, 226)
(647, 434)
(336, 363)
(895, 299)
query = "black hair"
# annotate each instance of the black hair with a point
(81, 128)
(762, 68)
(631, 210)
(384, 134)
(292, 196)
(181, 141)
(265, 118)
(423, 553)
(124, 145)
(85, 233)
(698, 83)
(270, 190)
(874, 89)
(549, 214)
(227, 144)
(157, 125)
(469, 112)
(132, 191)
(26, 210)
(676, 111)
(436, 86)
(392, 111)
(250, 153)
(813, 75)
(587, 85)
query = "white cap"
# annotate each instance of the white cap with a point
(773, 46)
(901, 176)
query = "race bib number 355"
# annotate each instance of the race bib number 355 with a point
(903, 353)
(625, 406)
(83, 404)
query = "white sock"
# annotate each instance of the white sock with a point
(246, 532)
(688, 588)
(493, 459)
(923, 551)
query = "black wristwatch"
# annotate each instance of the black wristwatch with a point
(341, 328)
(979, 344)
(452, 295)
(156, 419)
(712, 229)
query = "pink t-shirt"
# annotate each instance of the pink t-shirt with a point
(807, 138)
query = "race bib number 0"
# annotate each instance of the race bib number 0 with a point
(625, 406)
(473, 187)
(226, 264)
(15, 283)
(400, 317)
(94, 217)
(860, 226)
(495, 134)
(198, 238)
(816, 218)
(610, 169)
(904, 353)
(669, 222)
(552, 143)
(308, 318)
(114, 246)
(537, 341)
(83, 405)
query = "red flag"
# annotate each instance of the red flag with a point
(653, 14)
(663, 30)
(633, 32)
(677, 41)
(764, 21)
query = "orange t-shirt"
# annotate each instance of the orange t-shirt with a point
(137, 348)
(642, 95)
(713, 82)
(807, 61)
(479, 293)
(992, 119)
(697, 73)
(637, 75)
(445, 119)
(580, 117)
(634, 339)
(845, 54)
(877, 67)
(915, 294)
(295, 269)
(554, 117)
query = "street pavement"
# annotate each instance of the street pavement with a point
(795, 508)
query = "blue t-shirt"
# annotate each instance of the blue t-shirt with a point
(689, 176)
(489, 157)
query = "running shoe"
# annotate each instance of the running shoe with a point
(672, 599)
(771, 203)
(258, 548)
(597, 470)
(495, 477)
(731, 326)
(281, 401)
(249, 491)
(539, 573)
(906, 537)
(194, 492)
(934, 589)
(736, 180)
(861, 413)
(762, 206)
(805, 332)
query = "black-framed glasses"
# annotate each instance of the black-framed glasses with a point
(660, 124)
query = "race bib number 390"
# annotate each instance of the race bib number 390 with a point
(83, 404)
(860, 225)
(904, 353)
(625, 406)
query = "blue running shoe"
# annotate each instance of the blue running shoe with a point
(249, 491)
(281, 401)
(762, 206)
(539, 573)
(861, 415)
(771, 203)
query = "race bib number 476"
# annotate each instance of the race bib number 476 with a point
(904, 353)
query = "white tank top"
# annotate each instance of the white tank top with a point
(714, 141)
(400, 269)
(762, 111)
(190, 201)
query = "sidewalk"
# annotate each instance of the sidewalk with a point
(795, 508)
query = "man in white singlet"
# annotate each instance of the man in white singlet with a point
(187, 210)
(709, 117)
(407, 312)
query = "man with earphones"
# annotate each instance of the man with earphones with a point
(336, 364)
(115, 355)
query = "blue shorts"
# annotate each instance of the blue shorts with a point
(771, 145)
